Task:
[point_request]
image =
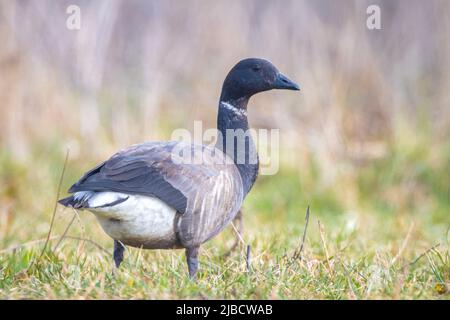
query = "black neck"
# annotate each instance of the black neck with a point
(236, 141)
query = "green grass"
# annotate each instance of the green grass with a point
(375, 232)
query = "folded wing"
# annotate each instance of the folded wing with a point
(200, 182)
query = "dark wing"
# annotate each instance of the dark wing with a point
(155, 169)
(137, 170)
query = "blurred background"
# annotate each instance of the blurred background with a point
(365, 142)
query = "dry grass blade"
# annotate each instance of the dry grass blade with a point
(298, 253)
(58, 192)
(424, 253)
(24, 245)
(247, 258)
(91, 242)
(28, 244)
(65, 232)
(83, 232)
(403, 246)
(237, 233)
(325, 248)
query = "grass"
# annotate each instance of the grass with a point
(380, 231)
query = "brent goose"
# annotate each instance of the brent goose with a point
(148, 196)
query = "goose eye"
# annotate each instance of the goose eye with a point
(256, 68)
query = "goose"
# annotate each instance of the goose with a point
(157, 195)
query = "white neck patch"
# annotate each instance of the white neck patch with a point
(237, 111)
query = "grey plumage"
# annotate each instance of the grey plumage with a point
(207, 195)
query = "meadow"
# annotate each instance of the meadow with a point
(364, 145)
(385, 247)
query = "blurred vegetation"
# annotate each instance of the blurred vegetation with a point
(365, 143)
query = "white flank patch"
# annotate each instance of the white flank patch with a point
(139, 217)
(99, 199)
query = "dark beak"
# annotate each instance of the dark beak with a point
(283, 82)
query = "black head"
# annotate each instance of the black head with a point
(250, 76)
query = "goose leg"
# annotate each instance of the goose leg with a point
(192, 261)
(118, 253)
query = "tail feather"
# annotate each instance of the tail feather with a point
(90, 199)
(72, 202)
(67, 202)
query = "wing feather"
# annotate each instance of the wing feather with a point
(149, 169)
